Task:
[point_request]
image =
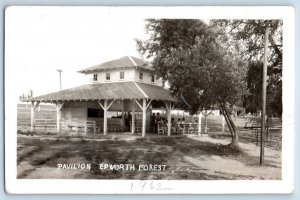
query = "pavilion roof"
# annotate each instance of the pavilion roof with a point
(120, 63)
(101, 91)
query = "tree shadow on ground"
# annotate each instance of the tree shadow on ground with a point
(169, 151)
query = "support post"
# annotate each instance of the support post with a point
(169, 118)
(105, 118)
(144, 118)
(105, 108)
(58, 115)
(123, 115)
(32, 116)
(264, 93)
(58, 118)
(199, 123)
(133, 121)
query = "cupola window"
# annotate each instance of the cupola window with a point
(95, 77)
(141, 75)
(108, 76)
(122, 75)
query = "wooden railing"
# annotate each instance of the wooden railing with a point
(44, 123)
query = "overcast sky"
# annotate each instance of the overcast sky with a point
(40, 40)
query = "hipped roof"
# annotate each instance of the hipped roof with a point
(106, 91)
(120, 63)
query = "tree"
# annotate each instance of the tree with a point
(251, 34)
(166, 36)
(202, 66)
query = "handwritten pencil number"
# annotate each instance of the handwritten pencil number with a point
(144, 185)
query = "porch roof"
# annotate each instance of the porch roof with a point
(119, 90)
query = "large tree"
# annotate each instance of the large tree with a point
(251, 34)
(202, 66)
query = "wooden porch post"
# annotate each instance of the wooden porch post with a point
(199, 123)
(133, 121)
(105, 118)
(123, 117)
(169, 114)
(105, 108)
(32, 108)
(169, 109)
(144, 117)
(58, 115)
(144, 111)
(32, 116)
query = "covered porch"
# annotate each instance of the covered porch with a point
(87, 107)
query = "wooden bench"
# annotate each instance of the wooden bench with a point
(44, 123)
(90, 125)
(70, 126)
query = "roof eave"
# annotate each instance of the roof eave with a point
(111, 69)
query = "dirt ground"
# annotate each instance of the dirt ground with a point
(185, 157)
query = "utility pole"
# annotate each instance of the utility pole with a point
(264, 94)
(59, 71)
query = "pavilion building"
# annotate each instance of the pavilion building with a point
(124, 85)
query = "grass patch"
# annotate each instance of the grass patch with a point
(152, 150)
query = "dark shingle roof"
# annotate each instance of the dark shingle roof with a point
(119, 90)
(121, 63)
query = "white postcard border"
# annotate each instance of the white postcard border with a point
(286, 185)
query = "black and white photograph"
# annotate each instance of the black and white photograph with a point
(149, 100)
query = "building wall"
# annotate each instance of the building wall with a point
(147, 78)
(114, 76)
(75, 113)
(130, 75)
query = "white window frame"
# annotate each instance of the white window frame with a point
(141, 75)
(123, 75)
(95, 77)
(152, 78)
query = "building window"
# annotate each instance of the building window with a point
(108, 76)
(96, 113)
(95, 77)
(122, 75)
(152, 78)
(141, 75)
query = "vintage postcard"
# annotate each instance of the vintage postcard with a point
(149, 100)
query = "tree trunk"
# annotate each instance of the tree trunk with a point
(231, 126)
(228, 123)
(205, 124)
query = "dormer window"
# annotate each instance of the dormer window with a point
(141, 75)
(95, 77)
(152, 79)
(108, 76)
(122, 75)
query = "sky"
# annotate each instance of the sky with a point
(40, 40)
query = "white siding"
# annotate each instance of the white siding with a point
(147, 78)
(114, 76)
(130, 75)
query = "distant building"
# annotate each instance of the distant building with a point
(26, 95)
